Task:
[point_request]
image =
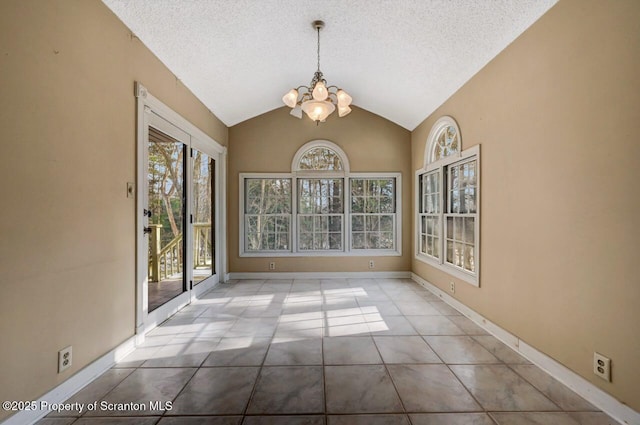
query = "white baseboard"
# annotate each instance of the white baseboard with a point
(72, 385)
(594, 395)
(320, 275)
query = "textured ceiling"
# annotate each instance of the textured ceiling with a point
(400, 59)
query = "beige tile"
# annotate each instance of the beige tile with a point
(496, 387)
(431, 388)
(350, 350)
(592, 418)
(291, 351)
(451, 419)
(360, 389)
(288, 390)
(284, 420)
(533, 418)
(405, 349)
(95, 390)
(500, 350)
(434, 325)
(467, 325)
(246, 351)
(201, 420)
(143, 386)
(367, 420)
(216, 391)
(460, 350)
(557, 392)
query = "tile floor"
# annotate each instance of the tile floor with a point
(335, 352)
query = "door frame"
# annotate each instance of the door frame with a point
(150, 110)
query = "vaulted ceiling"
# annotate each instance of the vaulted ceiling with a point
(400, 59)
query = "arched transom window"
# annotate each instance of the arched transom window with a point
(320, 158)
(444, 140)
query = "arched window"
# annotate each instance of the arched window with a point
(320, 208)
(444, 140)
(448, 197)
(320, 155)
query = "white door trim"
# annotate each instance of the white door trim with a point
(152, 110)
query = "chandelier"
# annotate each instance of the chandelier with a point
(317, 100)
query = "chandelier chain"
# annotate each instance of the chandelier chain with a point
(318, 29)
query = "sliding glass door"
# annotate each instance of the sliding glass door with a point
(165, 214)
(202, 216)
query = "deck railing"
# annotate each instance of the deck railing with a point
(167, 261)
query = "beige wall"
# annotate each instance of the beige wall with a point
(67, 129)
(268, 143)
(557, 115)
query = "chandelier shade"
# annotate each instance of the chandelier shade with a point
(317, 100)
(318, 110)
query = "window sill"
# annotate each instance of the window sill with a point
(459, 274)
(358, 253)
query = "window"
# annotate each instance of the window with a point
(320, 208)
(373, 216)
(447, 219)
(267, 214)
(320, 214)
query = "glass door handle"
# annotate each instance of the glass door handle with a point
(147, 230)
(147, 213)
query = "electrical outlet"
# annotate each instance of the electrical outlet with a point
(372, 264)
(272, 265)
(452, 287)
(65, 359)
(602, 366)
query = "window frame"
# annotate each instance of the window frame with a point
(443, 165)
(345, 174)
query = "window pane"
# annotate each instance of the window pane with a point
(357, 204)
(306, 224)
(436, 247)
(357, 187)
(469, 230)
(283, 242)
(372, 240)
(423, 244)
(387, 205)
(470, 200)
(450, 258)
(469, 260)
(320, 196)
(458, 228)
(455, 181)
(335, 224)
(306, 241)
(386, 240)
(357, 223)
(449, 227)
(386, 223)
(457, 254)
(372, 223)
(335, 240)
(472, 173)
(358, 240)
(455, 201)
(268, 196)
(436, 226)
(372, 205)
